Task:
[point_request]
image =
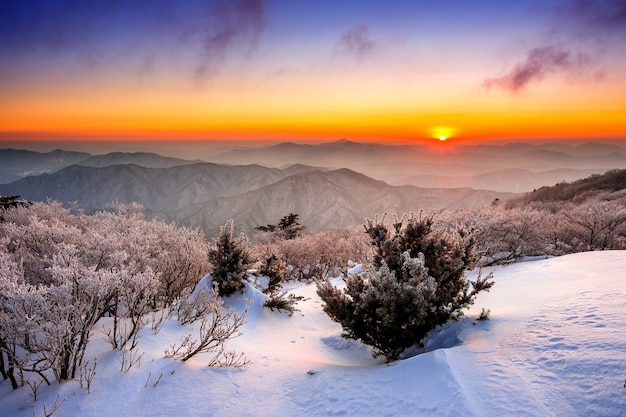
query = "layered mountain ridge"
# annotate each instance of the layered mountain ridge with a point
(206, 195)
(329, 185)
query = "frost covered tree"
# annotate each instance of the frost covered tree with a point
(501, 234)
(47, 327)
(61, 271)
(597, 223)
(230, 259)
(415, 282)
(317, 256)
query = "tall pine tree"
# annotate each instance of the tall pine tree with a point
(230, 258)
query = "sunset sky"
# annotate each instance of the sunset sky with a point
(312, 70)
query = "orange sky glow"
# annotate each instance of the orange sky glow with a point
(374, 75)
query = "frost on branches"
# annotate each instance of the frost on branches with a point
(416, 282)
(218, 325)
(61, 272)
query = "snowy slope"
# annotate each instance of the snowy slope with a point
(555, 345)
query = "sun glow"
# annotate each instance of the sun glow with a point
(442, 133)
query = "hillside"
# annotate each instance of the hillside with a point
(207, 195)
(324, 200)
(576, 191)
(554, 346)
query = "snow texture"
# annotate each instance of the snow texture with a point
(555, 345)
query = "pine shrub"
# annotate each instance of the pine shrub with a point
(230, 259)
(288, 227)
(415, 282)
(280, 300)
(275, 270)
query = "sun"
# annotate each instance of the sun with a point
(442, 133)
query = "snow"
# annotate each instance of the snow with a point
(554, 345)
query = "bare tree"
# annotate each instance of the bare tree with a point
(218, 325)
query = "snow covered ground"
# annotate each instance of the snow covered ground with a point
(555, 345)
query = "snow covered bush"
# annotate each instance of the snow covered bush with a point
(316, 256)
(274, 269)
(47, 327)
(503, 235)
(598, 224)
(230, 259)
(416, 282)
(175, 254)
(133, 295)
(62, 271)
(279, 300)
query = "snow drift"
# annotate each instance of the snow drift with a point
(555, 345)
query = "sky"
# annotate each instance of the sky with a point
(392, 70)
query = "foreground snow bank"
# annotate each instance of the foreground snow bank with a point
(555, 345)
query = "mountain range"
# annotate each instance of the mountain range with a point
(19, 163)
(206, 195)
(329, 185)
(513, 167)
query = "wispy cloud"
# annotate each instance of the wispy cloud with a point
(100, 33)
(226, 24)
(579, 31)
(356, 43)
(538, 63)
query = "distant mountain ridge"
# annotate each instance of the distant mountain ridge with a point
(329, 185)
(17, 163)
(206, 195)
(447, 165)
(506, 180)
(512, 167)
(144, 159)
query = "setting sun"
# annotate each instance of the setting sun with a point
(442, 133)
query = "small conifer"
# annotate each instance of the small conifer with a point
(230, 258)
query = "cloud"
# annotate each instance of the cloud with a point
(137, 35)
(538, 63)
(591, 27)
(356, 42)
(226, 25)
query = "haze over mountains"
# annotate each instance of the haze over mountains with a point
(515, 167)
(329, 185)
(206, 195)
(17, 163)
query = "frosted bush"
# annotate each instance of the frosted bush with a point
(316, 256)
(61, 271)
(415, 282)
